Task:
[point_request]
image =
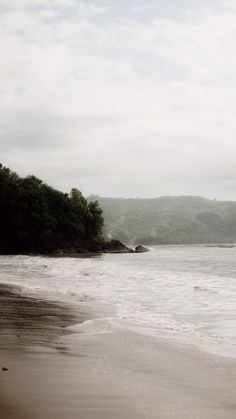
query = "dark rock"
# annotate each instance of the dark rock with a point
(115, 246)
(4, 369)
(141, 249)
(96, 246)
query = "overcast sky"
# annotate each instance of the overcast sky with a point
(120, 97)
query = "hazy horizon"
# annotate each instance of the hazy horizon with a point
(157, 197)
(121, 98)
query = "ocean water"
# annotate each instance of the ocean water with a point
(185, 293)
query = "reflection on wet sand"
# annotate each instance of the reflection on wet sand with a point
(27, 321)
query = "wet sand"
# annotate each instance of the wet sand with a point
(59, 368)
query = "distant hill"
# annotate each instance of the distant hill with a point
(169, 220)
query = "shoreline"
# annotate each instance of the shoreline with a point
(69, 362)
(95, 248)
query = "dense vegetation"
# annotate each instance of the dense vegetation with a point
(169, 220)
(34, 217)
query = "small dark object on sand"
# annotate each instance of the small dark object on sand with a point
(4, 369)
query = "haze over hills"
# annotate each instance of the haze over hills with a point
(169, 220)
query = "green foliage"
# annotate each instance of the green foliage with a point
(169, 220)
(37, 218)
(94, 220)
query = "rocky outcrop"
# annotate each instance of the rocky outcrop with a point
(112, 246)
(141, 249)
(101, 246)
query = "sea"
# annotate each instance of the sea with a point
(182, 293)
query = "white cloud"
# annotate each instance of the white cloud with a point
(149, 105)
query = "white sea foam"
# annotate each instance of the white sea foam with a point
(186, 293)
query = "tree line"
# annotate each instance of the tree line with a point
(34, 217)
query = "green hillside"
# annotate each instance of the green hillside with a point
(169, 220)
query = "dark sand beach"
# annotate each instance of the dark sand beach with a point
(59, 370)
